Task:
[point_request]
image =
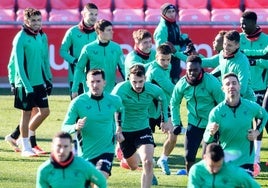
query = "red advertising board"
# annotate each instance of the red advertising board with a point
(202, 36)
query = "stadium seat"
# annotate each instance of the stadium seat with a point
(40, 4)
(255, 4)
(153, 4)
(7, 4)
(104, 4)
(226, 15)
(20, 15)
(64, 4)
(69, 15)
(217, 4)
(262, 14)
(105, 14)
(64, 10)
(128, 15)
(7, 15)
(128, 4)
(194, 15)
(196, 4)
(152, 15)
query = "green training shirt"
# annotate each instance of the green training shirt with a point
(74, 175)
(228, 176)
(161, 77)
(200, 99)
(30, 56)
(106, 56)
(71, 46)
(137, 104)
(259, 71)
(99, 130)
(234, 124)
(134, 57)
(237, 64)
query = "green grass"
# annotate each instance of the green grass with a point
(18, 172)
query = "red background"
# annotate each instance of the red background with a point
(200, 35)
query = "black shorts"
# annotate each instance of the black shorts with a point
(104, 162)
(133, 140)
(39, 100)
(249, 168)
(260, 96)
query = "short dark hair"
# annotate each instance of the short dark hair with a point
(194, 59)
(137, 70)
(249, 15)
(100, 25)
(232, 35)
(230, 74)
(97, 72)
(90, 6)
(63, 134)
(215, 152)
(164, 49)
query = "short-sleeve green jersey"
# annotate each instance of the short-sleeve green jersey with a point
(99, 130)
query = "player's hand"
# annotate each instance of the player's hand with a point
(119, 137)
(213, 128)
(253, 134)
(12, 88)
(164, 127)
(80, 124)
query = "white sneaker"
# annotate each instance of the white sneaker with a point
(12, 143)
(28, 153)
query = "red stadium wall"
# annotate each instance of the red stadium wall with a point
(202, 36)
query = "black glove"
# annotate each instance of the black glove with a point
(12, 88)
(177, 129)
(189, 49)
(49, 87)
(252, 62)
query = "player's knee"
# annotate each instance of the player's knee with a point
(45, 112)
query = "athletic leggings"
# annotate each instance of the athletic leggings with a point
(193, 138)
